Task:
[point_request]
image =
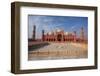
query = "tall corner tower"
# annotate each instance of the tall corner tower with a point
(34, 32)
(42, 35)
(74, 36)
(82, 33)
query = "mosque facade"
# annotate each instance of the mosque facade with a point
(61, 36)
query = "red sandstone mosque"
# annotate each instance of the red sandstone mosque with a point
(61, 36)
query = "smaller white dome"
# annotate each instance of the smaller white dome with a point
(50, 33)
(58, 30)
(66, 33)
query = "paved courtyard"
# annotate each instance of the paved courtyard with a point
(59, 51)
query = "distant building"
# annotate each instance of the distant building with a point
(61, 36)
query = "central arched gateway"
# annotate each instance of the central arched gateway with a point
(59, 37)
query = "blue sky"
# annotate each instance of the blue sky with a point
(51, 23)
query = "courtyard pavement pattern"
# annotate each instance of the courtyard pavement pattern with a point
(59, 51)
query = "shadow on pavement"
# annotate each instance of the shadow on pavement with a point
(37, 46)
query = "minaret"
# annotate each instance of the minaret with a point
(82, 34)
(42, 35)
(74, 36)
(34, 32)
